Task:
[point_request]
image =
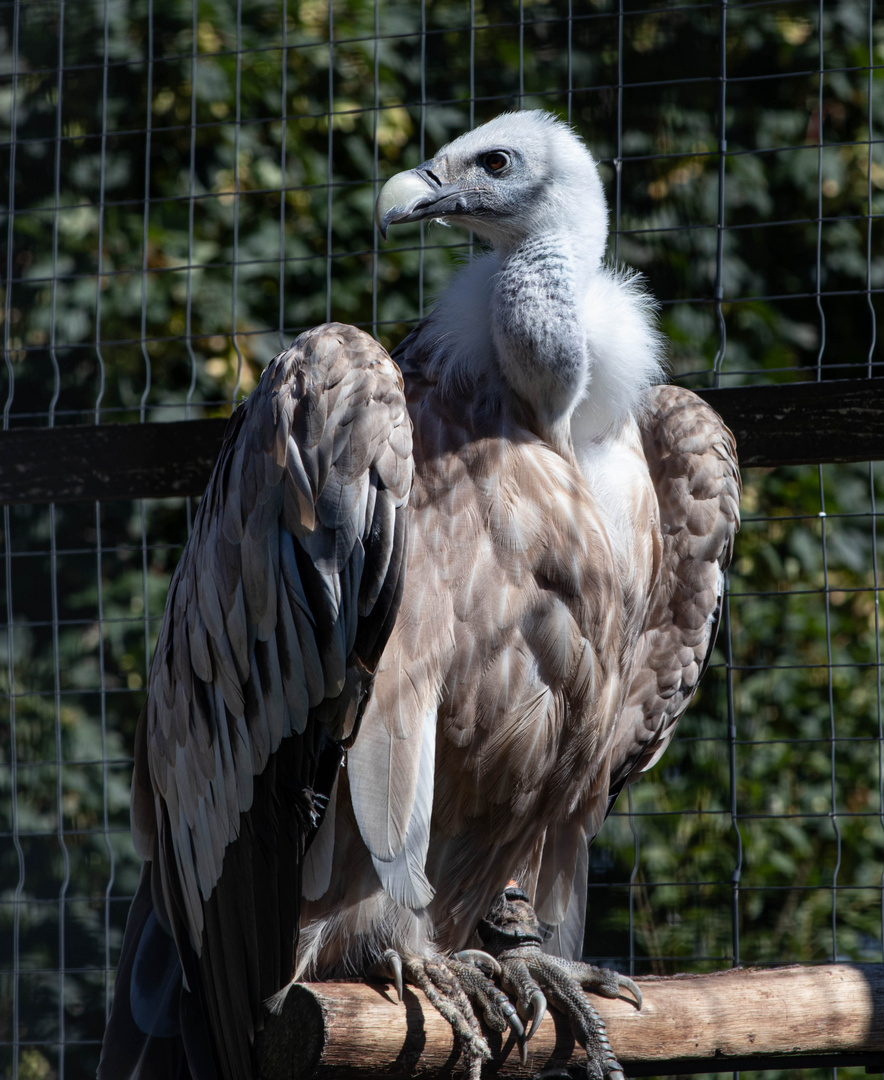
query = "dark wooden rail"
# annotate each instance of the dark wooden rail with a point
(797, 423)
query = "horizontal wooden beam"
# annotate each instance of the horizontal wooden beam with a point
(812, 423)
(105, 462)
(742, 1019)
(796, 423)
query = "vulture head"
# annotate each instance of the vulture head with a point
(519, 175)
(540, 317)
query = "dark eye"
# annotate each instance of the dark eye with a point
(496, 161)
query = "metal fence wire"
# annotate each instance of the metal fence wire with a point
(190, 183)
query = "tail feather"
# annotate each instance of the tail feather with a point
(150, 1021)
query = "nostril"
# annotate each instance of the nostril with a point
(433, 177)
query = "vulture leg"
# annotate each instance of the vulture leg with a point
(460, 987)
(511, 933)
(443, 983)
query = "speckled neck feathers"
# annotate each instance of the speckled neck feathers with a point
(539, 343)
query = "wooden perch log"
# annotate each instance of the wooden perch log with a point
(739, 1019)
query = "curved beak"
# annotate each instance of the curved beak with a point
(419, 194)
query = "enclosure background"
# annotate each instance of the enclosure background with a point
(191, 183)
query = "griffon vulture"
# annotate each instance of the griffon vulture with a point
(488, 585)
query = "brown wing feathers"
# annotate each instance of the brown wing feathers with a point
(284, 597)
(692, 461)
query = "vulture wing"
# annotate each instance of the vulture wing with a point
(692, 461)
(276, 618)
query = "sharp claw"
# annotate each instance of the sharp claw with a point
(538, 1011)
(628, 984)
(521, 1042)
(480, 959)
(515, 1024)
(517, 1028)
(394, 960)
(396, 964)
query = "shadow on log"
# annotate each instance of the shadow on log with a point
(739, 1019)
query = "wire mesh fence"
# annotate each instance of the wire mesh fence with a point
(191, 184)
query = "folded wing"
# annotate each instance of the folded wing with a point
(277, 615)
(692, 460)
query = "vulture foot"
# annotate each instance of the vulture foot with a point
(459, 987)
(511, 933)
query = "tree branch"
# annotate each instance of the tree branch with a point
(757, 1018)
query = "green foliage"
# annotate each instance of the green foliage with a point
(69, 702)
(201, 206)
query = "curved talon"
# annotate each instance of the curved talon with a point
(512, 1018)
(481, 960)
(514, 1023)
(394, 960)
(628, 984)
(517, 1028)
(538, 1011)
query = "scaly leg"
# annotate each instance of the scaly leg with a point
(455, 986)
(511, 933)
(462, 985)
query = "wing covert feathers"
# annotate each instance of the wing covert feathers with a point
(692, 460)
(276, 618)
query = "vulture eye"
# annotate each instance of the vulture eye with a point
(495, 162)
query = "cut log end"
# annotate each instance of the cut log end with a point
(295, 1034)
